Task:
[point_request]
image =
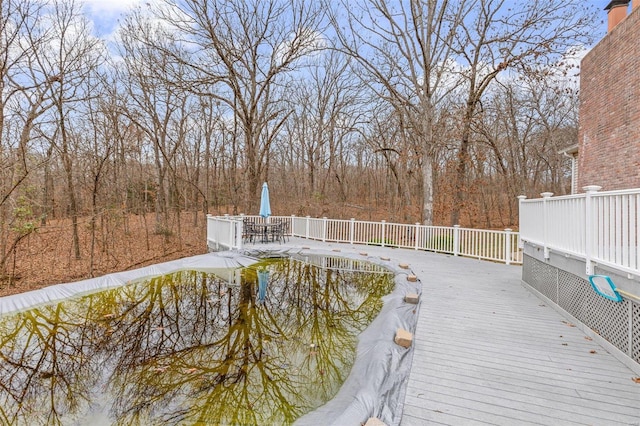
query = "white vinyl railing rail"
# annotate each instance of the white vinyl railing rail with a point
(223, 233)
(599, 227)
(498, 246)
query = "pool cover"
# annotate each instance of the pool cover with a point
(376, 384)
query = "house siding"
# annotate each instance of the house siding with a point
(609, 132)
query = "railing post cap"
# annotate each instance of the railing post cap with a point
(521, 197)
(546, 194)
(418, 223)
(308, 217)
(353, 219)
(456, 226)
(226, 215)
(591, 188)
(508, 229)
(383, 221)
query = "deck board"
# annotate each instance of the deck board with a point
(488, 350)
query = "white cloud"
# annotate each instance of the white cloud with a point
(95, 7)
(105, 14)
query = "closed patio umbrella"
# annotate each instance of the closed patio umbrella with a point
(265, 205)
(263, 281)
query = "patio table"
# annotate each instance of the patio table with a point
(268, 231)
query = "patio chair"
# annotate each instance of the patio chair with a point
(249, 231)
(279, 231)
(284, 231)
(276, 232)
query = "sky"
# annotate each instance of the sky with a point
(105, 13)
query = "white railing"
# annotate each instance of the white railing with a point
(599, 227)
(223, 233)
(499, 246)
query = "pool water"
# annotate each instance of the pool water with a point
(258, 345)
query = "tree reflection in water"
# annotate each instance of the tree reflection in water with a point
(189, 348)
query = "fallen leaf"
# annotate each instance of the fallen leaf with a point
(636, 380)
(190, 370)
(565, 344)
(587, 338)
(592, 351)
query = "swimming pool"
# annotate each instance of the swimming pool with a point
(263, 344)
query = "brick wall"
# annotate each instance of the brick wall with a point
(609, 132)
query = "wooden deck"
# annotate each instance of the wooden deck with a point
(488, 351)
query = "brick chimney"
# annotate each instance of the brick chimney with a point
(617, 11)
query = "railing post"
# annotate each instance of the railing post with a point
(456, 239)
(521, 198)
(507, 246)
(239, 232)
(352, 227)
(382, 231)
(324, 229)
(545, 223)
(589, 220)
(306, 231)
(417, 246)
(291, 225)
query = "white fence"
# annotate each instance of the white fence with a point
(223, 233)
(499, 246)
(599, 227)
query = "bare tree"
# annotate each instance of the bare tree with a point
(246, 51)
(403, 49)
(98, 135)
(153, 103)
(523, 125)
(73, 57)
(500, 36)
(24, 99)
(326, 110)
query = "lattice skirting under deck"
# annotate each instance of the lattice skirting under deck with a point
(617, 322)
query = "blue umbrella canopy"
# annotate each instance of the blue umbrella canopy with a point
(265, 205)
